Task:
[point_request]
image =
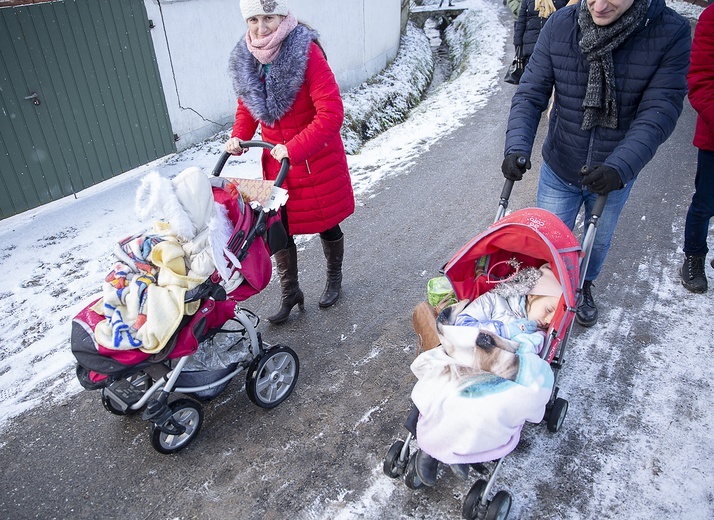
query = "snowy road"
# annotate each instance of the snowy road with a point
(636, 442)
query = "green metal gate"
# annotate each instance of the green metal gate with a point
(80, 98)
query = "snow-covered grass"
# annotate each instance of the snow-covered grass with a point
(386, 99)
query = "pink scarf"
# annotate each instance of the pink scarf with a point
(266, 49)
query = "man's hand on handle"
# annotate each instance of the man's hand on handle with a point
(514, 166)
(601, 179)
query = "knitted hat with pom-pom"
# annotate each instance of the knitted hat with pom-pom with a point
(251, 8)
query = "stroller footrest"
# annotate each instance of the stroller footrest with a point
(124, 392)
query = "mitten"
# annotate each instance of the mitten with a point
(514, 166)
(521, 326)
(601, 179)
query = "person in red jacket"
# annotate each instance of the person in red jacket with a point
(285, 85)
(701, 209)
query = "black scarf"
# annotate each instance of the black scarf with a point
(597, 44)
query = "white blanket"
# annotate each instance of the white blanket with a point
(473, 401)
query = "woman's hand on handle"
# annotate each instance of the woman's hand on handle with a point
(279, 152)
(233, 146)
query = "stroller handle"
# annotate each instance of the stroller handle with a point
(284, 164)
(503, 202)
(598, 207)
(506, 192)
(259, 227)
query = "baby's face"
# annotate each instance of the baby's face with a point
(542, 310)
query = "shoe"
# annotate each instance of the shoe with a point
(291, 295)
(426, 466)
(692, 273)
(586, 314)
(334, 252)
(460, 470)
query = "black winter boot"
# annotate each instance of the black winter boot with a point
(286, 261)
(586, 314)
(692, 273)
(334, 252)
(426, 467)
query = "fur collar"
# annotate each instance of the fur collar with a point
(268, 98)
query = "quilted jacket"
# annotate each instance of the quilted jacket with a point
(528, 25)
(650, 77)
(297, 104)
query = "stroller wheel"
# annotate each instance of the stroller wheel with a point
(393, 466)
(499, 507)
(557, 415)
(271, 378)
(472, 502)
(411, 479)
(188, 415)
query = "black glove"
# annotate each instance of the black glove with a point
(514, 166)
(601, 179)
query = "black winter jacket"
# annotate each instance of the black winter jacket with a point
(650, 77)
(528, 25)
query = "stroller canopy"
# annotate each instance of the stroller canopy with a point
(531, 237)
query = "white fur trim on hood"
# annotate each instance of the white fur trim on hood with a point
(221, 229)
(185, 203)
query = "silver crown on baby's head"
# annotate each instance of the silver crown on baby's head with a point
(519, 283)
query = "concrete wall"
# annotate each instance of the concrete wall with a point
(193, 39)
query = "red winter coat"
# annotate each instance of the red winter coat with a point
(304, 112)
(701, 79)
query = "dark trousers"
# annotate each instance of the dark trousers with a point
(696, 229)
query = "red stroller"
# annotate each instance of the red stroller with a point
(209, 347)
(531, 237)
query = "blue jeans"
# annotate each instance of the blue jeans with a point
(696, 228)
(565, 200)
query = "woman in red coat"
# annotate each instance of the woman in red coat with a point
(285, 85)
(701, 209)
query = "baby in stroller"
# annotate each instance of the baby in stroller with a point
(493, 365)
(476, 389)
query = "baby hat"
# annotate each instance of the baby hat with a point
(547, 284)
(251, 8)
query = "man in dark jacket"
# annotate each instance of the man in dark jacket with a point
(619, 71)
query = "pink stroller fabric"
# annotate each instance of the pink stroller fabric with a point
(254, 272)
